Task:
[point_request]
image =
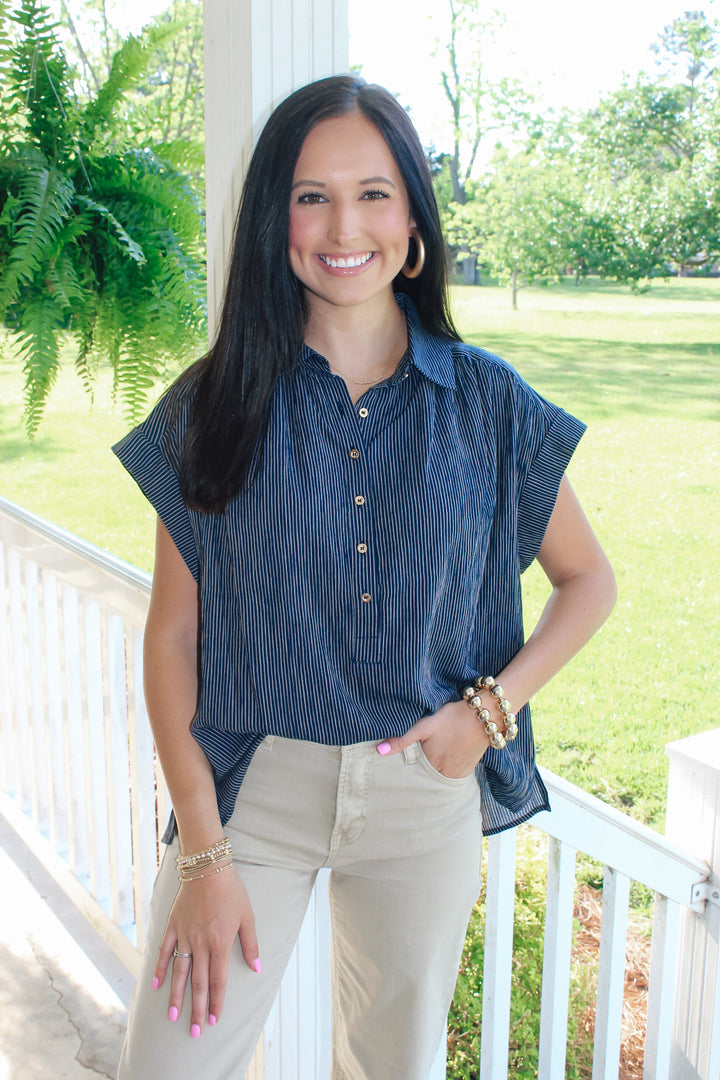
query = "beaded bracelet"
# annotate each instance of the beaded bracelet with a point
(207, 857)
(186, 875)
(471, 694)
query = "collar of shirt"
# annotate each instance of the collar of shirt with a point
(430, 355)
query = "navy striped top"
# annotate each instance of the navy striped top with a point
(373, 568)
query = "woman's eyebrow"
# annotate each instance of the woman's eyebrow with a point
(307, 183)
(319, 183)
(378, 180)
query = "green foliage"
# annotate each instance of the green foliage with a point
(479, 104)
(163, 102)
(521, 222)
(629, 191)
(98, 239)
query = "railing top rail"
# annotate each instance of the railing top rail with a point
(106, 578)
(604, 833)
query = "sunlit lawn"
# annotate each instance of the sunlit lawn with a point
(644, 372)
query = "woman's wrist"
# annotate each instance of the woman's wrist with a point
(196, 833)
(486, 696)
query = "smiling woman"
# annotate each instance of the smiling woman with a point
(346, 495)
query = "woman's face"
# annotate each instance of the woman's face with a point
(349, 214)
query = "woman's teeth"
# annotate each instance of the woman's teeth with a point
(356, 260)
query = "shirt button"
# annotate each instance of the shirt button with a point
(366, 598)
(362, 548)
(363, 412)
(354, 454)
(359, 500)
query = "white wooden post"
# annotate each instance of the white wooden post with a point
(256, 53)
(693, 820)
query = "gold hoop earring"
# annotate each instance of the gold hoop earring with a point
(416, 270)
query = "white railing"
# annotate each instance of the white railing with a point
(79, 781)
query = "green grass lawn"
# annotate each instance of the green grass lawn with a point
(643, 371)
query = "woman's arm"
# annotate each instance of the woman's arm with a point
(171, 693)
(208, 914)
(583, 595)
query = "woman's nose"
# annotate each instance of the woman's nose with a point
(343, 225)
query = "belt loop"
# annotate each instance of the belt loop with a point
(410, 753)
(267, 743)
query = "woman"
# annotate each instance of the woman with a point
(346, 497)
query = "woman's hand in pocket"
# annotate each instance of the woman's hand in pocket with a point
(453, 740)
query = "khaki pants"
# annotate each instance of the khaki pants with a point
(404, 846)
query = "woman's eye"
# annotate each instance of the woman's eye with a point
(311, 198)
(375, 193)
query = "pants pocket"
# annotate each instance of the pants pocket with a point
(424, 761)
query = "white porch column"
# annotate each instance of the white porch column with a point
(693, 823)
(256, 53)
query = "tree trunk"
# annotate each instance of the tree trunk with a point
(469, 266)
(514, 285)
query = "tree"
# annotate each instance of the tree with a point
(479, 105)
(520, 224)
(657, 123)
(98, 239)
(650, 155)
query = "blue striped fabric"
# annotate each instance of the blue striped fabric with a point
(374, 567)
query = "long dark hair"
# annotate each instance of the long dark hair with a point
(264, 309)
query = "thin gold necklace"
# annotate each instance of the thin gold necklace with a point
(359, 382)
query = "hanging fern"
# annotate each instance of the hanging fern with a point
(99, 240)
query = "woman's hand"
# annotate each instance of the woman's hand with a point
(206, 918)
(453, 739)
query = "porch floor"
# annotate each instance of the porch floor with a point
(63, 993)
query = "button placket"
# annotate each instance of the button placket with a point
(362, 566)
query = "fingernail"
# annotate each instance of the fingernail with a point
(212, 1020)
(155, 983)
(195, 1031)
(384, 748)
(172, 1014)
(257, 965)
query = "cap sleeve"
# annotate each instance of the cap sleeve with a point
(548, 437)
(150, 453)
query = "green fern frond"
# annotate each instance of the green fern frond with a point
(83, 330)
(63, 285)
(126, 242)
(182, 154)
(39, 76)
(129, 63)
(36, 343)
(10, 101)
(10, 211)
(46, 195)
(76, 226)
(137, 372)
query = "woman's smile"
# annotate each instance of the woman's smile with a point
(346, 263)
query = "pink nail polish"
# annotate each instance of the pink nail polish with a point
(172, 1014)
(384, 748)
(212, 1020)
(155, 983)
(257, 965)
(195, 1031)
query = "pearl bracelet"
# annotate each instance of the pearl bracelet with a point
(201, 859)
(471, 694)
